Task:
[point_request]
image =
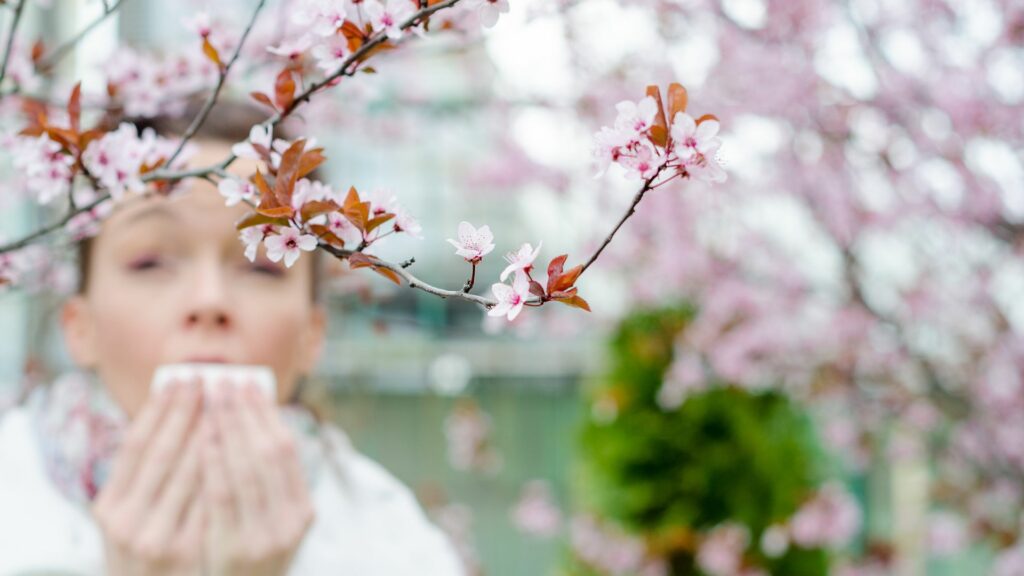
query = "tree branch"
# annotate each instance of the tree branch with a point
(346, 69)
(632, 208)
(200, 118)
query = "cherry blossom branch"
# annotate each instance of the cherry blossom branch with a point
(412, 280)
(52, 227)
(200, 118)
(219, 168)
(10, 38)
(632, 208)
(306, 94)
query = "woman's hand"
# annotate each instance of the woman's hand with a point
(149, 511)
(253, 486)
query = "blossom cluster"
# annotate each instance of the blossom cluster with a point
(332, 30)
(642, 143)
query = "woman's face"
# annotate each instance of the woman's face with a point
(169, 283)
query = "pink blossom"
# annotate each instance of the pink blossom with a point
(319, 17)
(521, 259)
(331, 53)
(947, 534)
(473, 243)
(831, 518)
(252, 236)
(609, 146)
(721, 552)
(1009, 562)
(696, 146)
(292, 48)
(235, 191)
(489, 10)
(47, 170)
(511, 299)
(467, 432)
(645, 161)
(199, 23)
(389, 16)
(116, 159)
(536, 512)
(307, 190)
(147, 84)
(343, 229)
(404, 220)
(259, 135)
(609, 549)
(684, 377)
(690, 138)
(289, 243)
(636, 118)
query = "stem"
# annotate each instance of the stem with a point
(10, 38)
(413, 281)
(472, 279)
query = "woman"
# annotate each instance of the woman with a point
(100, 476)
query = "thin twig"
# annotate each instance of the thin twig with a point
(197, 122)
(51, 59)
(411, 280)
(346, 69)
(10, 38)
(632, 208)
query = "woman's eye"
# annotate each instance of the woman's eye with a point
(145, 263)
(267, 269)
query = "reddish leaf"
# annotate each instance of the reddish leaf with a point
(65, 138)
(325, 234)
(355, 36)
(360, 260)
(566, 280)
(212, 54)
(257, 219)
(75, 107)
(261, 184)
(677, 100)
(270, 204)
(707, 117)
(555, 269)
(576, 302)
(357, 212)
(275, 211)
(86, 138)
(263, 99)
(536, 289)
(309, 161)
(37, 51)
(284, 89)
(287, 172)
(659, 131)
(313, 209)
(377, 221)
(389, 274)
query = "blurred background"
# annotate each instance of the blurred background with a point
(816, 368)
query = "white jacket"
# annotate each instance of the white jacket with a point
(367, 522)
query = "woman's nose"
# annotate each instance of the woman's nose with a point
(209, 304)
